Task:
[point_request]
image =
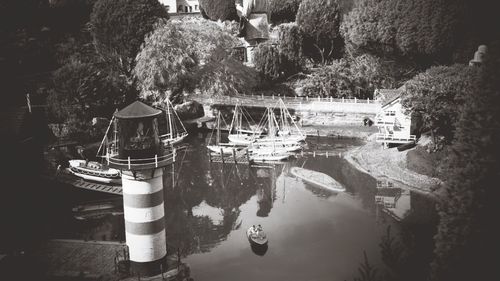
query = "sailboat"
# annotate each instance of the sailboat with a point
(238, 134)
(270, 151)
(288, 129)
(176, 132)
(219, 147)
(96, 171)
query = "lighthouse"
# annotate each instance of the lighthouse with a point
(137, 151)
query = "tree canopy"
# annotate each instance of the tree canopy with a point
(466, 240)
(437, 95)
(119, 27)
(319, 21)
(218, 9)
(282, 11)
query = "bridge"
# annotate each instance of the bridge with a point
(297, 104)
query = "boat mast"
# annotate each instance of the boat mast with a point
(233, 121)
(169, 119)
(217, 139)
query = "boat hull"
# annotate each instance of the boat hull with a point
(317, 179)
(258, 239)
(93, 171)
(241, 139)
(173, 141)
(96, 178)
(225, 149)
(264, 157)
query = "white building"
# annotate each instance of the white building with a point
(181, 6)
(393, 122)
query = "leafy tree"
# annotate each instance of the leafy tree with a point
(273, 64)
(119, 27)
(223, 75)
(165, 63)
(218, 9)
(437, 94)
(290, 43)
(281, 11)
(83, 90)
(420, 30)
(319, 21)
(352, 77)
(466, 245)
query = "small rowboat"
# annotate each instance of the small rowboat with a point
(94, 171)
(256, 235)
(317, 179)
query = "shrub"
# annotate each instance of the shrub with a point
(282, 11)
(273, 64)
(218, 9)
(319, 21)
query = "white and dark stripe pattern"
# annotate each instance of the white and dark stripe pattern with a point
(144, 215)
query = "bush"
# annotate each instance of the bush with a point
(273, 64)
(282, 11)
(218, 9)
(319, 21)
(290, 42)
(119, 27)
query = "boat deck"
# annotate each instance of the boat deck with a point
(239, 157)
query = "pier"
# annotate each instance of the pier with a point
(63, 177)
(237, 157)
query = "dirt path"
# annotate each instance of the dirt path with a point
(390, 164)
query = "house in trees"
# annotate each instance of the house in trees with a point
(393, 123)
(181, 6)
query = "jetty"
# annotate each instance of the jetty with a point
(80, 183)
(237, 157)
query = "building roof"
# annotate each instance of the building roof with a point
(137, 109)
(386, 96)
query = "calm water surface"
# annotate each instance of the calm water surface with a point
(313, 234)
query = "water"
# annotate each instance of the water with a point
(313, 234)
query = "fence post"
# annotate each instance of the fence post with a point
(368, 100)
(307, 98)
(273, 96)
(342, 99)
(319, 98)
(331, 99)
(355, 100)
(156, 161)
(129, 162)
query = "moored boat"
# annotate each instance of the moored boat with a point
(94, 171)
(318, 179)
(176, 132)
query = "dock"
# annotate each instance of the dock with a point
(94, 186)
(237, 157)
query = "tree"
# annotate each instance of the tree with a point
(319, 21)
(83, 90)
(282, 11)
(218, 9)
(290, 43)
(119, 27)
(437, 94)
(421, 30)
(224, 76)
(165, 63)
(273, 64)
(466, 245)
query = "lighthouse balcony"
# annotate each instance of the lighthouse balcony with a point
(132, 163)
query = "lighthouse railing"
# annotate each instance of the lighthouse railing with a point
(141, 163)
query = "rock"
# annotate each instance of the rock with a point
(189, 110)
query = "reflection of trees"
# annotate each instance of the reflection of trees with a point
(266, 192)
(190, 182)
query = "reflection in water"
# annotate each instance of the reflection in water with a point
(208, 207)
(394, 201)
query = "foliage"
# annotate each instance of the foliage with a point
(205, 36)
(467, 238)
(225, 76)
(119, 27)
(273, 64)
(290, 42)
(348, 78)
(281, 11)
(165, 63)
(83, 90)
(426, 30)
(218, 9)
(319, 21)
(437, 94)
(367, 271)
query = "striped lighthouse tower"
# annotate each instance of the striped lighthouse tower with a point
(139, 154)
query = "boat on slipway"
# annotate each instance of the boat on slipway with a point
(317, 179)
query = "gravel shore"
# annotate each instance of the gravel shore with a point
(389, 164)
